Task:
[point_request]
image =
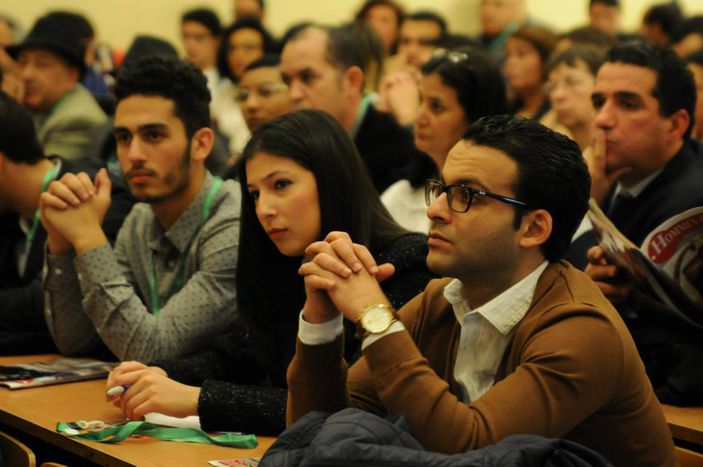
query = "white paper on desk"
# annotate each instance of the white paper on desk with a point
(192, 421)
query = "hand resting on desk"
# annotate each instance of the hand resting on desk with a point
(149, 389)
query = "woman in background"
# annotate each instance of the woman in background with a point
(572, 78)
(527, 52)
(242, 43)
(301, 178)
(457, 88)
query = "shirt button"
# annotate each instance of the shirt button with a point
(58, 271)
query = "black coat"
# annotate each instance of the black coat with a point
(352, 437)
(671, 351)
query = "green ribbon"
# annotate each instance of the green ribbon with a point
(118, 433)
(49, 177)
(180, 272)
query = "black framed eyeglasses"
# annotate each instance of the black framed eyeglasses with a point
(459, 196)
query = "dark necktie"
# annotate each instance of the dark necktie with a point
(620, 208)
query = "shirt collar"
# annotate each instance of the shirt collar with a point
(360, 115)
(635, 190)
(185, 226)
(503, 311)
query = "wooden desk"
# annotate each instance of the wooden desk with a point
(36, 411)
(685, 423)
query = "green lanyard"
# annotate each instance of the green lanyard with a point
(48, 178)
(360, 114)
(178, 282)
(118, 433)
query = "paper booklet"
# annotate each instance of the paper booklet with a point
(667, 268)
(243, 462)
(63, 370)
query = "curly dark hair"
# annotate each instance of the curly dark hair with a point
(172, 79)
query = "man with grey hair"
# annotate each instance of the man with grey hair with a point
(324, 69)
(51, 64)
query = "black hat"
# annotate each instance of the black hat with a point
(56, 33)
(148, 46)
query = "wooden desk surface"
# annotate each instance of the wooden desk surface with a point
(36, 411)
(685, 423)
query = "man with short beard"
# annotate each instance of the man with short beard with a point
(169, 283)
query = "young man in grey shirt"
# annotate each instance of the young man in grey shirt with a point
(169, 283)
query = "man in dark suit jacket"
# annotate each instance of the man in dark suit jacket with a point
(324, 68)
(645, 169)
(24, 173)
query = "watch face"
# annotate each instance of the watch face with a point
(376, 319)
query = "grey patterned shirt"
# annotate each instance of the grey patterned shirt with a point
(104, 293)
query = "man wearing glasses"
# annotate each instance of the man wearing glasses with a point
(513, 341)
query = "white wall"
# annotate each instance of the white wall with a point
(118, 21)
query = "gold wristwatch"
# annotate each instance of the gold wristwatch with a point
(375, 319)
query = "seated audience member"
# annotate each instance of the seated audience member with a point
(384, 17)
(168, 285)
(301, 179)
(513, 341)
(374, 56)
(691, 37)
(605, 15)
(398, 92)
(249, 9)
(142, 46)
(202, 33)
(51, 63)
(661, 23)
(695, 64)
(242, 43)
(262, 93)
(24, 173)
(499, 20)
(571, 78)
(415, 43)
(333, 58)
(92, 78)
(527, 52)
(585, 35)
(9, 34)
(646, 169)
(457, 87)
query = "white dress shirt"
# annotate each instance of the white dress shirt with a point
(486, 332)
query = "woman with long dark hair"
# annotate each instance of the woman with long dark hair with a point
(301, 178)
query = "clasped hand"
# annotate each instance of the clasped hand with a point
(72, 211)
(341, 276)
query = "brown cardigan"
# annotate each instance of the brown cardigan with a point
(571, 371)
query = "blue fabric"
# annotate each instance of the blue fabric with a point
(353, 437)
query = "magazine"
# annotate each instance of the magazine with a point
(667, 268)
(63, 370)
